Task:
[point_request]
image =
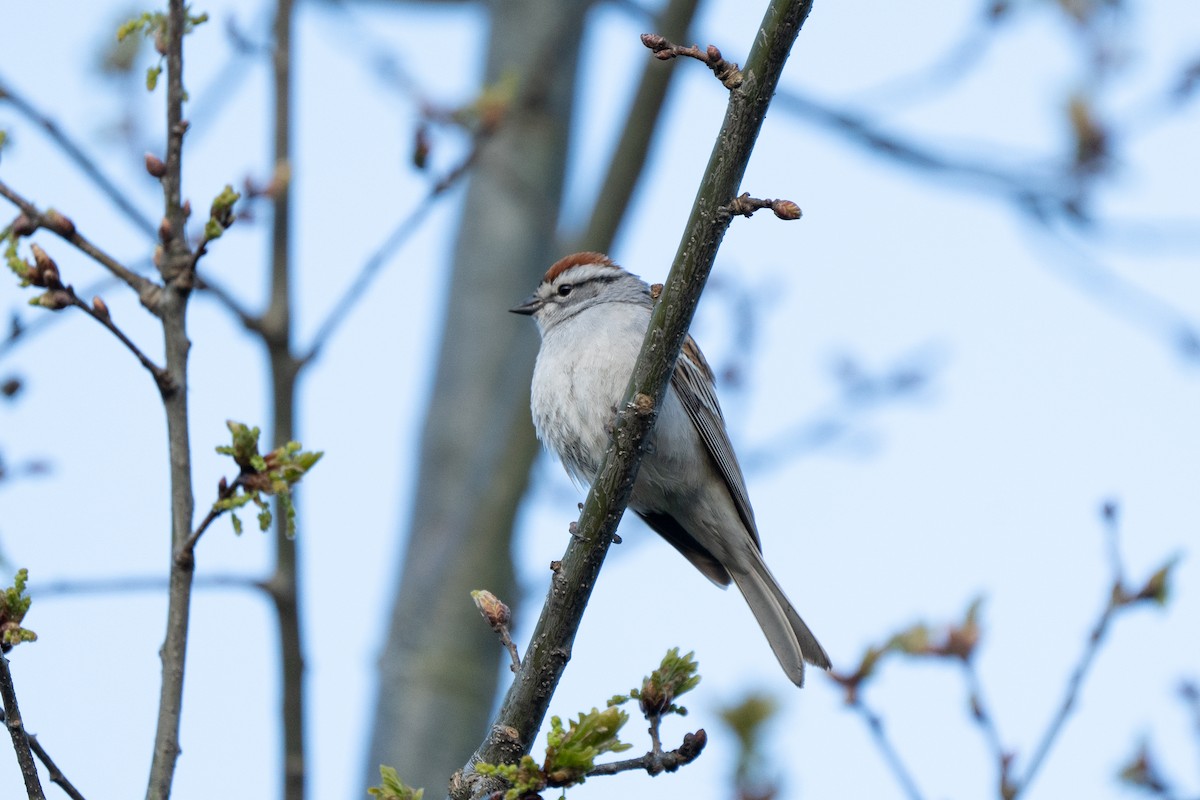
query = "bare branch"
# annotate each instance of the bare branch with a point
(657, 761)
(234, 306)
(75, 153)
(405, 228)
(727, 72)
(891, 755)
(72, 588)
(628, 160)
(177, 272)
(12, 720)
(983, 717)
(744, 206)
(55, 774)
(98, 311)
(146, 289)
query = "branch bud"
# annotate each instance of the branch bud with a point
(45, 271)
(786, 209)
(494, 611)
(101, 308)
(155, 166)
(23, 226)
(58, 223)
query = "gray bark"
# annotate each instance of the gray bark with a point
(439, 669)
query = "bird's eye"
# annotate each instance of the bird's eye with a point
(565, 290)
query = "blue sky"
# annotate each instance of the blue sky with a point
(1046, 400)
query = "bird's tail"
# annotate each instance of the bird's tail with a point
(790, 639)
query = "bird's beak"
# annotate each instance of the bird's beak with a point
(528, 307)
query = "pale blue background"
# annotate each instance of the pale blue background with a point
(1045, 402)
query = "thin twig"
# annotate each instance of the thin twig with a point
(727, 72)
(12, 719)
(1115, 601)
(744, 205)
(628, 161)
(234, 306)
(890, 755)
(55, 774)
(99, 312)
(188, 549)
(75, 153)
(53, 221)
(71, 588)
(1070, 696)
(981, 713)
(175, 268)
(405, 228)
(657, 762)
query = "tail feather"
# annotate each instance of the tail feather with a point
(788, 635)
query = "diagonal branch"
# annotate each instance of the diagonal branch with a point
(53, 221)
(527, 701)
(629, 158)
(74, 152)
(403, 230)
(53, 772)
(16, 729)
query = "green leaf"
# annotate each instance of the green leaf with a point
(261, 476)
(392, 788)
(14, 604)
(676, 675)
(571, 752)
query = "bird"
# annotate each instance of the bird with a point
(592, 316)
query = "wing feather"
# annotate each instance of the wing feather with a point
(694, 385)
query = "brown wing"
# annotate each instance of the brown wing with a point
(693, 382)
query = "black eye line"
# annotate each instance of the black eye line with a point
(570, 287)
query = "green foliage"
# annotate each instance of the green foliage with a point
(220, 215)
(524, 777)
(392, 788)
(154, 25)
(748, 721)
(675, 676)
(1156, 589)
(12, 258)
(262, 476)
(571, 752)
(572, 749)
(14, 604)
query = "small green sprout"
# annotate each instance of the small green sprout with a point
(220, 215)
(154, 25)
(676, 675)
(392, 788)
(14, 604)
(273, 474)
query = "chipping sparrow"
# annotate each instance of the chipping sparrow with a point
(592, 316)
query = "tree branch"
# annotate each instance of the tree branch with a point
(656, 763)
(55, 774)
(176, 269)
(276, 332)
(629, 157)
(75, 153)
(12, 719)
(526, 703)
(406, 227)
(53, 221)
